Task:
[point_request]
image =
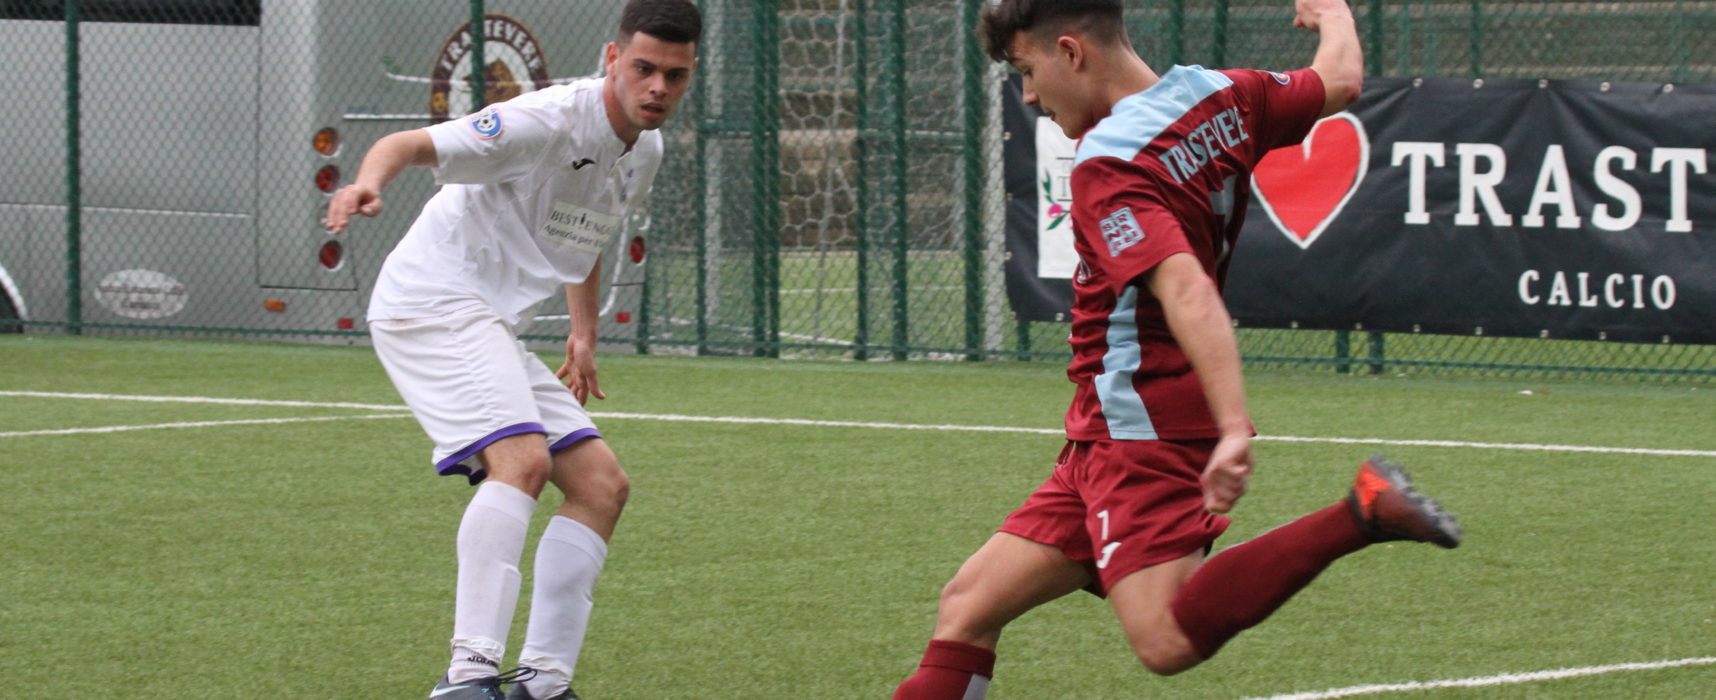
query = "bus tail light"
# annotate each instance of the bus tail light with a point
(332, 254)
(328, 179)
(327, 141)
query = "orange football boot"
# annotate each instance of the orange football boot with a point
(1388, 508)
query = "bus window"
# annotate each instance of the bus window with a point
(240, 12)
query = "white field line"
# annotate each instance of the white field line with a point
(1483, 681)
(205, 399)
(854, 290)
(1494, 446)
(673, 417)
(196, 424)
(816, 339)
(1058, 431)
(679, 418)
(784, 334)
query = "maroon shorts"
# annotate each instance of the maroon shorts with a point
(1118, 506)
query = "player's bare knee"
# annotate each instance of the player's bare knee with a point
(1165, 657)
(954, 594)
(602, 483)
(527, 473)
(959, 615)
(532, 482)
(616, 486)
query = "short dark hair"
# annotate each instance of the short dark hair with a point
(674, 21)
(1098, 19)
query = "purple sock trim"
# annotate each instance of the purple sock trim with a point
(572, 439)
(452, 466)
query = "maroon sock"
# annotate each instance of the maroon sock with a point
(1245, 583)
(949, 671)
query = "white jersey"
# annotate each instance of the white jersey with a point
(533, 189)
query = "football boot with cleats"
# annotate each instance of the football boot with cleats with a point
(1388, 508)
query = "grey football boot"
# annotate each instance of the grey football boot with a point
(519, 692)
(486, 688)
(1389, 508)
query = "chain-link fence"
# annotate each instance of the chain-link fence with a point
(844, 180)
(832, 186)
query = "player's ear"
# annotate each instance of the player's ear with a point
(610, 54)
(1071, 49)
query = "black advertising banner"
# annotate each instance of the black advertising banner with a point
(1038, 201)
(1563, 209)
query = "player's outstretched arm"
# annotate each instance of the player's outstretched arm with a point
(579, 369)
(1340, 59)
(385, 160)
(1200, 324)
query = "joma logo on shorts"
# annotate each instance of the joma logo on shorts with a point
(1106, 553)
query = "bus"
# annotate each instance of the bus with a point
(213, 132)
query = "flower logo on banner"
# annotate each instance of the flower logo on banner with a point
(1057, 213)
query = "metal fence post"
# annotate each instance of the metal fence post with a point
(1373, 53)
(1477, 38)
(1343, 352)
(765, 161)
(1218, 53)
(74, 176)
(1682, 52)
(479, 33)
(1403, 39)
(896, 101)
(1431, 61)
(861, 161)
(642, 345)
(1176, 32)
(700, 204)
(1376, 354)
(973, 94)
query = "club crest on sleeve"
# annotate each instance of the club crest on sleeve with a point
(486, 123)
(1121, 231)
(1282, 78)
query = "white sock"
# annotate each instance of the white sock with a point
(491, 540)
(568, 561)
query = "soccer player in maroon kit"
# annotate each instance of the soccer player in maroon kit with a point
(1159, 441)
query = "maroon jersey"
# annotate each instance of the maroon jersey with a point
(1168, 171)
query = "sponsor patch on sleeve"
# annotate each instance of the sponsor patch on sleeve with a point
(1282, 78)
(486, 123)
(1121, 231)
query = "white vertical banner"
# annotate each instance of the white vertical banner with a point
(1055, 256)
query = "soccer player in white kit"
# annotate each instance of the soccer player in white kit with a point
(532, 190)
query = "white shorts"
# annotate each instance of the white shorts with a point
(470, 382)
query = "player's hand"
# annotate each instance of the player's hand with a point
(1229, 468)
(579, 371)
(1309, 13)
(349, 200)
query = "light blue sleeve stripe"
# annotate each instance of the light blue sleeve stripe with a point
(1139, 119)
(1122, 407)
